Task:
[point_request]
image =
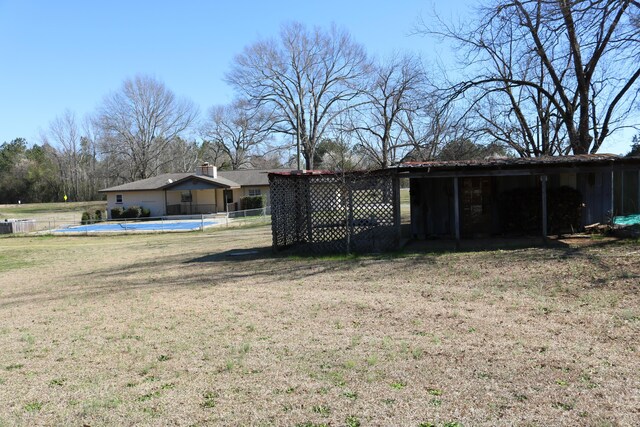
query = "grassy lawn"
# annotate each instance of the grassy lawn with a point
(175, 329)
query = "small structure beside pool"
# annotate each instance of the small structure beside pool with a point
(10, 226)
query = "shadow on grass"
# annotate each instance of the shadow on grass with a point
(238, 255)
(261, 267)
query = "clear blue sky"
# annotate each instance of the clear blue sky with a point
(58, 55)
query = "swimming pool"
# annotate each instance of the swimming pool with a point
(120, 227)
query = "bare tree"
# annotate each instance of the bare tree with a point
(306, 77)
(238, 130)
(214, 153)
(140, 122)
(180, 156)
(432, 127)
(551, 76)
(65, 137)
(395, 90)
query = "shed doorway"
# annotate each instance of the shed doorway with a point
(476, 195)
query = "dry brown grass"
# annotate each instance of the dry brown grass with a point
(171, 329)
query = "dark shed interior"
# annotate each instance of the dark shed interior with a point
(510, 197)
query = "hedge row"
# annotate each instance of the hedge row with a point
(92, 217)
(251, 202)
(130, 212)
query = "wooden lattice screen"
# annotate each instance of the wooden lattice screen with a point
(335, 213)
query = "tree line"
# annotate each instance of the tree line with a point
(541, 77)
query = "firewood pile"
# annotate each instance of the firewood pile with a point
(622, 231)
(521, 210)
(626, 231)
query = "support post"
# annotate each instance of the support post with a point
(456, 207)
(397, 217)
(349, 218)
(612, 195)
(543, 180)
(622, 192)
(165, 203)
(638, 200)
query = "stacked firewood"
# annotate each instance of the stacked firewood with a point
(521, 210)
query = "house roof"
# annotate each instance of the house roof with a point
(167, 180)
(225, 179)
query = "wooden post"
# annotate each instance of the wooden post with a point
(638, 201)
(456, 207)
(165, 203)
(543, 180)
(349, 218)
(397, 217)
(612, 194)
(621, 192)
(308, 184)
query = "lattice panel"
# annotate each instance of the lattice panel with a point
(334, 213)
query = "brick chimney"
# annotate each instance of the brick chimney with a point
(207, 170)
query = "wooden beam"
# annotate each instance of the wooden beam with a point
(456, 207)
(543, 180)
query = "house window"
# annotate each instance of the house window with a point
(119, 199)
(254, 192)
(185, 196)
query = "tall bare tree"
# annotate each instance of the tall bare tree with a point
(180, 156)
(550, 76)
(64, 136)
(307, 77)
(431, 128)
(396, 90)
(239, 130)
(140, 122)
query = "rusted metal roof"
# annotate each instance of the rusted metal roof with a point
(518, 166)
(499, 162)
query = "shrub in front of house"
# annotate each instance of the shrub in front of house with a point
(86, 218)
(116, 213)
(251, 202)
(91, 217)
(132, 212)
